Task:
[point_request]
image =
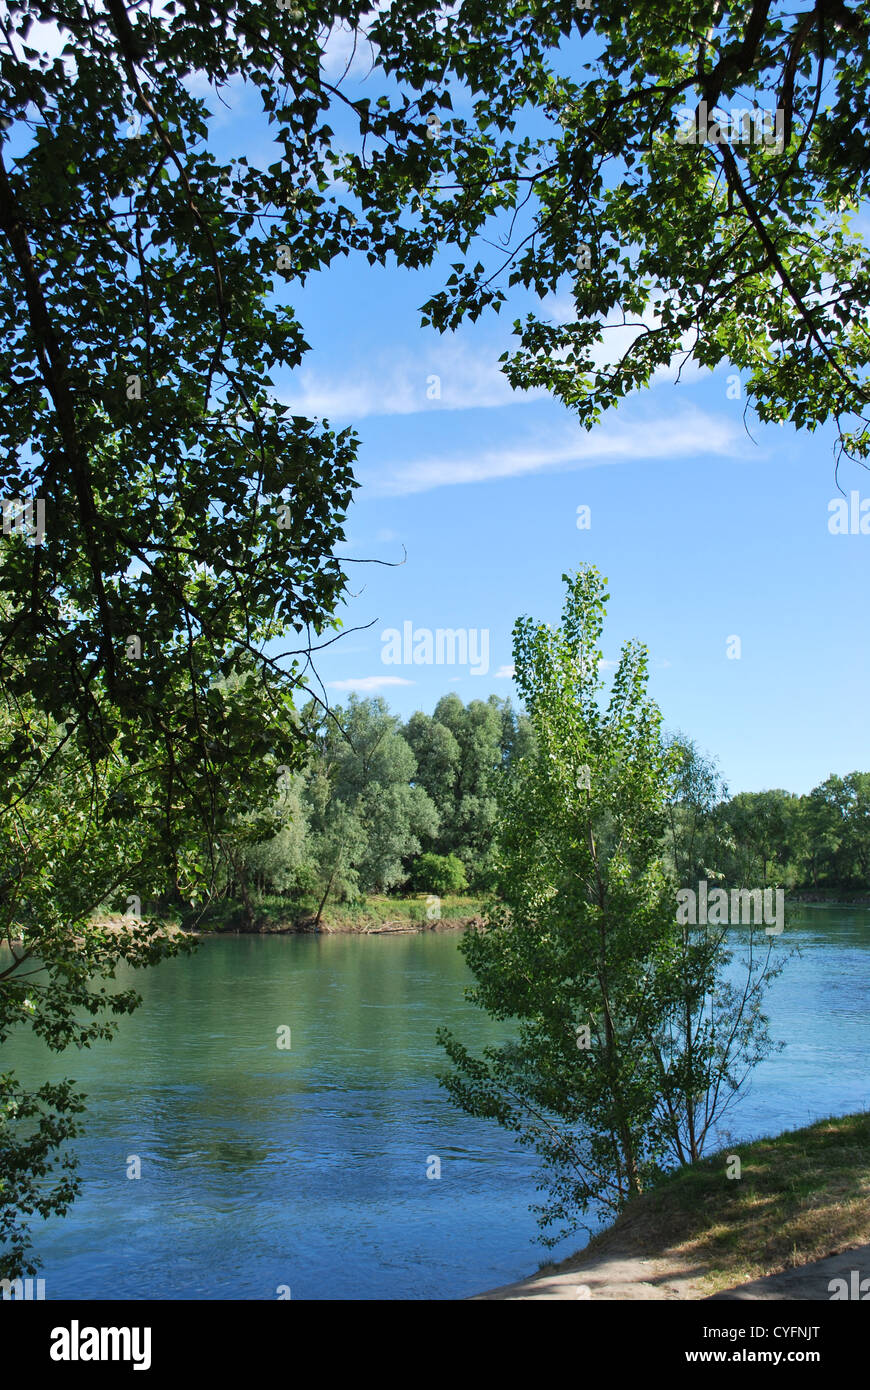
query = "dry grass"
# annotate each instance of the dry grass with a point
(801, 1196)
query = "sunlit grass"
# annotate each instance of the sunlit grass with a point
(801, 1196)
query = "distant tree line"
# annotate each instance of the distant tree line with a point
(386, 807)
(772, 838)
(381, 806)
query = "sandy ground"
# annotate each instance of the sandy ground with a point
(617, 1276)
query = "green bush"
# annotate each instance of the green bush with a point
(439, 873)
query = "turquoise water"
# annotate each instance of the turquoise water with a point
(306, 1168)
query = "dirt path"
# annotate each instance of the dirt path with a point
(624, 1276)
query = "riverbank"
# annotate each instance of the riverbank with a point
(376, 916)
(417, 912)
(382, 915)
(798, 1217)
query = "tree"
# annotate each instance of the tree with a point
(339, 843)
(68, 842)
(439, 873)
(171, 565)
(478, 730)
(516, 734)
(366, 772)
(693, 845)
(630, 1041)
(282, 864)
(818, 830)
(764, 826)
(838, 812)
(738, 248)
(462, 757)
(856, 838)
(437, 755)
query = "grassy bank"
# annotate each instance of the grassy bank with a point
(802, 1195)
(378, 914)
(371, 916)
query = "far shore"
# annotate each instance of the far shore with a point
(372, 923)
(403, 926)
(375, 917)
(385, 917)
(400, 926)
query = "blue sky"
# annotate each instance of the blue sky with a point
(704, 532)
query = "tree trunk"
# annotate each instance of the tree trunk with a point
(326, 895)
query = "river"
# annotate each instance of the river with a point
(305, 1168)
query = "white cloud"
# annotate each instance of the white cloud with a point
(690, 432)
(453, 375)
(445, 376)
(368, 683)
(505, 672)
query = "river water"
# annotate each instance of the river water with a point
(305, 1168)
